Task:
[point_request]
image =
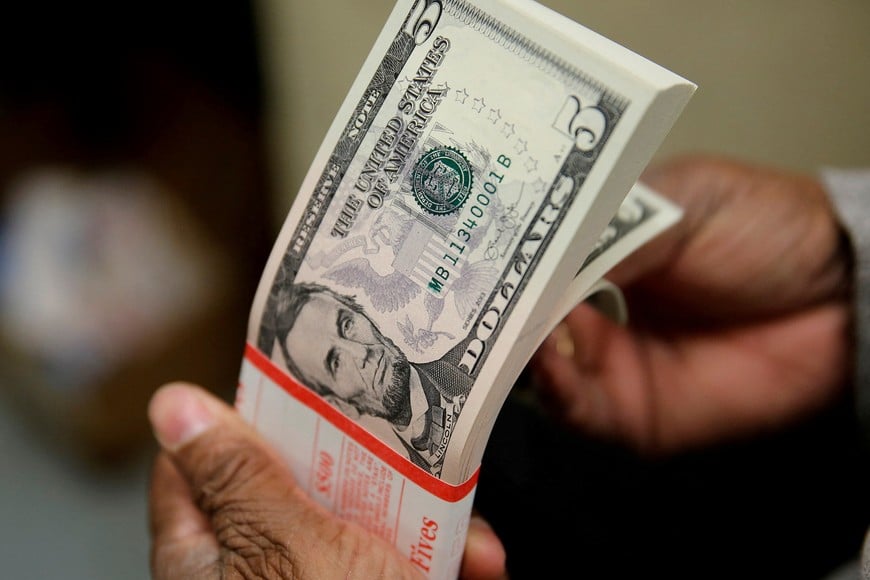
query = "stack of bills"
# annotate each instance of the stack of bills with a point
(477, 183)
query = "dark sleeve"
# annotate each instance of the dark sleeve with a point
(850, 192)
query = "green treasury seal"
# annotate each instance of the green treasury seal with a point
(441, 180)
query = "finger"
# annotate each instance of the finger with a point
(604, 387)
(697, 185)
(182, 542)
(568, 361)
(559, 380)
(752, 240)
(693, 196)
(484, 557)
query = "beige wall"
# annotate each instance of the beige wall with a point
(785, 82)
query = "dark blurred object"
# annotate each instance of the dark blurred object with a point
(789, 505)
(171, 92)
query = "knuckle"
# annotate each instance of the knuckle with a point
(256, 549)
(254, 541)
(271, 538)
(227, 474)
(250, 531)
(254, 561)
(258, 553)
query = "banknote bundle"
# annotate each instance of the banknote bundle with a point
(478, 182)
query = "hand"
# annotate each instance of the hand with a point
(222, 505)
(739, 316)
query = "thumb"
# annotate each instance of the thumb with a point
(230, 471)
(264, 524)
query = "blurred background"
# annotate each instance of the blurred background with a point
(149, 154)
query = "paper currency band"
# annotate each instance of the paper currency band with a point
(430, 483)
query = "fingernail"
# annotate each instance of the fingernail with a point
(178, 415)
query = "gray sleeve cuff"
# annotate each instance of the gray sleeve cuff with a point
(849, 190)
